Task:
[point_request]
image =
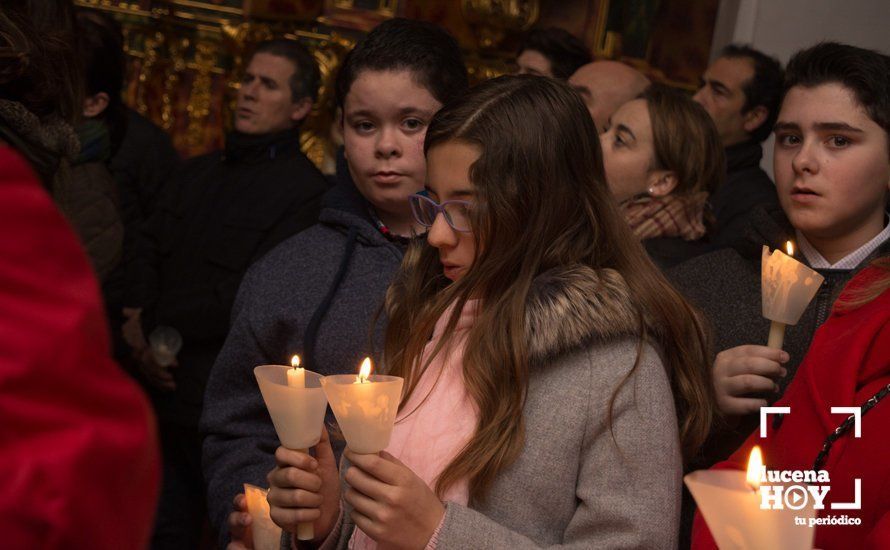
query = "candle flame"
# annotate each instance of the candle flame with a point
(789, 247)
(755, 465)
(365, 371)
(295, 361)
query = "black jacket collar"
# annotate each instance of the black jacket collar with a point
(743, 155)
(251, 149)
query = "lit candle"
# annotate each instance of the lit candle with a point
(297, 404)
(787, 288)
(296, 375)
(266, 535)
(365, 407)
(755, 466)
(364, 372)
(730, 502)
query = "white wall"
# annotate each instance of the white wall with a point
(782, 27)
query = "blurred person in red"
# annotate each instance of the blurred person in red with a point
(848, 365)
(79, 462)
(77, 445)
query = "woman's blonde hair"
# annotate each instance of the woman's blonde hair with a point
(541, 202)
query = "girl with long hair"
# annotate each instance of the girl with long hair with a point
(546, 360)
(663, 160)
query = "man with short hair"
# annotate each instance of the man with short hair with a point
(218, 214)
(552, 52)
(606, 85)
(741, 90)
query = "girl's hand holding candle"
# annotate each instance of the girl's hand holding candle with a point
(389, 502)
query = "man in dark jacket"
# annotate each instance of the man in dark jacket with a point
(217, 215)
(741, 90)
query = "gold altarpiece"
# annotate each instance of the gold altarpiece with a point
(184, 57)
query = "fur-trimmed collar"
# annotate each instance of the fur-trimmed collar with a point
(571, 307)
(53, 134)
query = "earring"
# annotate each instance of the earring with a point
(651, 190)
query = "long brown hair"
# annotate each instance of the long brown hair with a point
(685, 140)
(541, 203)
(38, 58)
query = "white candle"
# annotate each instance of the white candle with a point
(266, 535)
(296, 375)
(365, 407)
(296, 378)
(787, 286)
(730, 503)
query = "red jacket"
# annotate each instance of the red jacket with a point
(78, 451)
(848, 362)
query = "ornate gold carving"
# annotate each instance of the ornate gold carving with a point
(200, 98)
(386, 8)
(176, 66)
(493, 19)
(209, 7)
(152, 45)
(317, 138)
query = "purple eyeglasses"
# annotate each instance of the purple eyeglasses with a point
(456, 213)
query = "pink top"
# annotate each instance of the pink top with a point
(438, 419)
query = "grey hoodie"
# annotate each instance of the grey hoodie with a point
(315, 294)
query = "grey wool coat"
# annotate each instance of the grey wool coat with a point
(578, 482)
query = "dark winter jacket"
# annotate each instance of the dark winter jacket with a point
(141, 165)
(94, 213)
(747, 187)
(726, 285)
(318, 295)
(667, 252)
(85, 194)
(219, 214)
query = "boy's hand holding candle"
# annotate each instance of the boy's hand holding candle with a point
(744, 374)
(305, 490)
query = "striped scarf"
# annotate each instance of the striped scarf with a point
(671, 216)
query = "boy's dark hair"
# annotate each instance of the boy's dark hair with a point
(304, 82)
(764, 88)
(425, 49)
(864, 72)
(102, 56)
(564, 50)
